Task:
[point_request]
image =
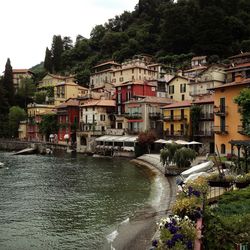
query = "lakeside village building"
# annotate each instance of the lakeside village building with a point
(140, 95)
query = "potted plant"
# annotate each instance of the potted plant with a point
(217, 180)
(242, 181)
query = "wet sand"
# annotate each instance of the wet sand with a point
(138, 233)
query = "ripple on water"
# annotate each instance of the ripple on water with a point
(64, 202)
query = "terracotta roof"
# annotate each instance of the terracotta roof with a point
(232, 84)
(105, 63)
(195, 69)
(60, 77)
(177, 76)
(153, 99)
(178, 104)
(69, 103)
(206, 99)
(105, 103)
(138, 82)
(21, 71)
(133, 67)
(237, 66)
(199, 58)
(246, 54)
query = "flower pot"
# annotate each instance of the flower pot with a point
(224, 184)
(241, 184)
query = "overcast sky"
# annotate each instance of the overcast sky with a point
(27, 26)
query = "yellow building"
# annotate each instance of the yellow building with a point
(227, 120)
(179, 89)
(65, 90)
(22, 130)
(18, 75)
(177, 120)
(51, 80)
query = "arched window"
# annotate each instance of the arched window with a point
(222, 148)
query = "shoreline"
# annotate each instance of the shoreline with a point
(138, 232)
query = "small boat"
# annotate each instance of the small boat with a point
(1, 165)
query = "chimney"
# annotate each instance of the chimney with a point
(238, 77)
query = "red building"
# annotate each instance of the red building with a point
(132, 90)
(68, 120)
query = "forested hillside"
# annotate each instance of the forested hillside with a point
(172, 32)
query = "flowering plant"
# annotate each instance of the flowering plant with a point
(176, 233)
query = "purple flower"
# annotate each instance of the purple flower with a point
(190, 190)
(177, 237)
(189, 245)
(154, 243)
(170, 243)
(172, 229)
(196, 193)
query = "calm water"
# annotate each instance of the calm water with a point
(66, 202)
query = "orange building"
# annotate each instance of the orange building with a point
(227, 120)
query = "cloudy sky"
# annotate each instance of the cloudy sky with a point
(27, 26)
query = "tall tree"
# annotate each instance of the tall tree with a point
(8, 83)
(48, 60)
(16, 115)
(57, 50)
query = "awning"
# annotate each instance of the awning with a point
(108, 138)
(194, 143)
(135, 120)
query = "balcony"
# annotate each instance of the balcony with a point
(133, 131)
(131, 116)
(204, 133)
(220, 111)
(175, 118)
(242, 130)
(176, 133)
(207, 116)
(155, 116)
(222, 130)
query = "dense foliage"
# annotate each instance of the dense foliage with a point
(172, 31)
(228, 223)
(243, 100)
(48, 125)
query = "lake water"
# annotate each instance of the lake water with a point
(66, 202)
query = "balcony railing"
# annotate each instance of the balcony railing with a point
(220, 111)
(175, 133)
(130, 116)
(207, 116)
(175, 118)
(221, 129)
(155, 116)
(204, 133)
(133, 131)
(242, 130)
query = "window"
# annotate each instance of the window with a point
(114, 74)
(121, 79)
(139, 70)
(119, 125)
(121, 72)
(133, 78)
(182, 97)
(222, 149)
(171, 89)
(132, 71)
(119, 110)
(119, 98)
(182, 114)
(102, 117)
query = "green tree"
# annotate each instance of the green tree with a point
(40, 97)
(8, 83)
(16, 114)
(26, 90)
(195, 114)
(48, 64)
(57, 50)
(243, 100)
(48, 125)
